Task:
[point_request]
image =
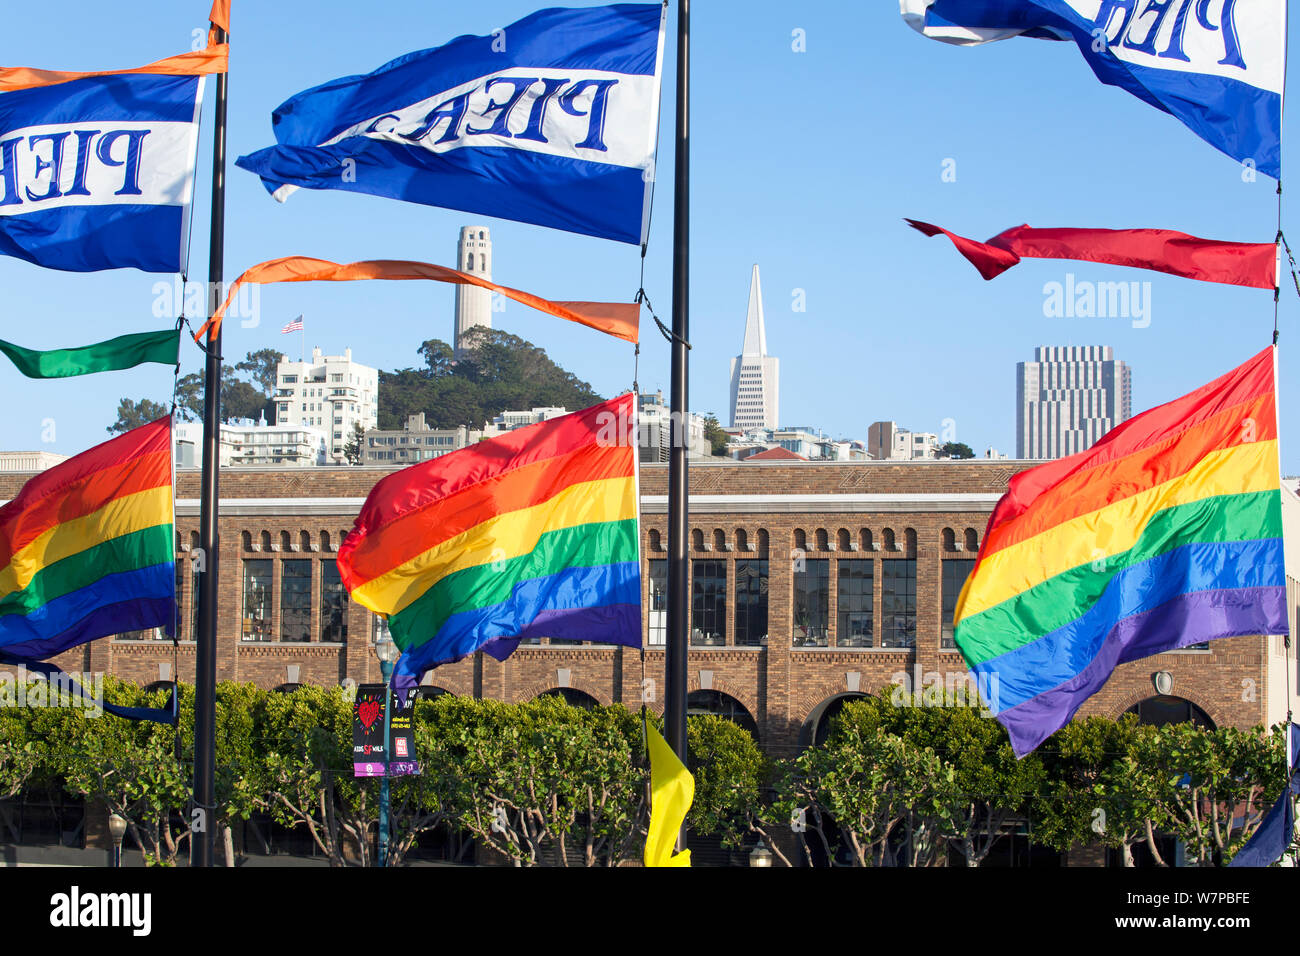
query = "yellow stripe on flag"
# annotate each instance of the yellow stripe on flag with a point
(672, 789)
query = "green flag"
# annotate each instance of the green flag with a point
(125, 351)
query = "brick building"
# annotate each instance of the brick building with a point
(811, 583)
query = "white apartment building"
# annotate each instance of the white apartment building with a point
(654, 427)
(13, 462)
(415, 443)
(887, 442)
(245, 443)
(331, 393)
(508, 421)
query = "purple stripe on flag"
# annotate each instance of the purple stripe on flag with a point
(1186, 619)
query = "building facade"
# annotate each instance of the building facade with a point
(1068, 397)
(28, 461)
(811, 583)
(654, 426)
(332, 393)
(473, 305)
(887, 442)
(755, 375)
(415, 443)
(245, 444)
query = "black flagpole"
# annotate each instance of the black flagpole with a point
(678, 487)
(205, 678)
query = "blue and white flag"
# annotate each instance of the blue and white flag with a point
(552, 120)
(98, 173)
(1216, 65)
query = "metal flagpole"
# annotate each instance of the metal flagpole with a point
(205, 678)
(678, 488)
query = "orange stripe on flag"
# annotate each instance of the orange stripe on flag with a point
(214, 59)
(618, 319)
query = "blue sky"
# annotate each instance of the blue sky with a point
(803, 162)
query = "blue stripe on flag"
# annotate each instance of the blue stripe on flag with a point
(91, 238)
(128, 97)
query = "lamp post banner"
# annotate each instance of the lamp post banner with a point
(369, 753)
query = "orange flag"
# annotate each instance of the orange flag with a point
(214, 59)
(619, 319)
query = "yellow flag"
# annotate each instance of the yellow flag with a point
(672, 789)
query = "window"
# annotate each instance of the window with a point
(751, 603)
(295, 601)
(812, 587)
(898, 602)
(333, 605)
(658, 602)
(708, 602)
(856, 624)
(955, 573)
(256, 624)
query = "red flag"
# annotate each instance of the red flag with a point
(1252, 264)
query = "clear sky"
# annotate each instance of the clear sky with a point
(803, 162)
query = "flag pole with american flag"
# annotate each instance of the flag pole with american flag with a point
(297, 326)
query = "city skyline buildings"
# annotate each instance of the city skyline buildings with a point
(1068, 397)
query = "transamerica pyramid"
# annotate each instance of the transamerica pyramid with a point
(754, 374)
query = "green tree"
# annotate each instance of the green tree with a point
(261, 367)
(439, 358)
(189, 397)
(955, 449)
(731, 776)
(715, 436)
(135, 414)
(354, 449)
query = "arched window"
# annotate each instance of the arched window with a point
(864, 540)
(285, 542)
(890, 543)
(304, 541)
(718, 704)
(266, 541)
(482, 235)
(697, 540)
(194, 540)
(818, 726)
(325, 541)
(949, 540)
(247, 539)
(972, 540)
(909, 541)
(469, 266)
(800, 539)
(656, 542)
(571, 696)
(742, 540)
(719, 540)
(823, 540)
(762, 541)
(1166, 709)
(844, 540)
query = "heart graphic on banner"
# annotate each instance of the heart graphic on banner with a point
(368, 711)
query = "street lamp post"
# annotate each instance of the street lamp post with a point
(386, 650)
(117, 830)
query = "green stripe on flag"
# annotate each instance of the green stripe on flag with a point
(129, 552)
(1017, 621)
(125, 351)
(580, 546)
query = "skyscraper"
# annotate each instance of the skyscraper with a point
(1068, 397)
(754, 374)
(473, 305)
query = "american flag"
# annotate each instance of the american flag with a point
(294, 326)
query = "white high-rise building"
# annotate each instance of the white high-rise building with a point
(1068, 397)
(329, 392)
(473, 305)
(755, 375)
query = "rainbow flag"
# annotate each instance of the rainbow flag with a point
(1167, 532)
(532, 534)
(87, 548)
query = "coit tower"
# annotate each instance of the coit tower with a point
(473, 305)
